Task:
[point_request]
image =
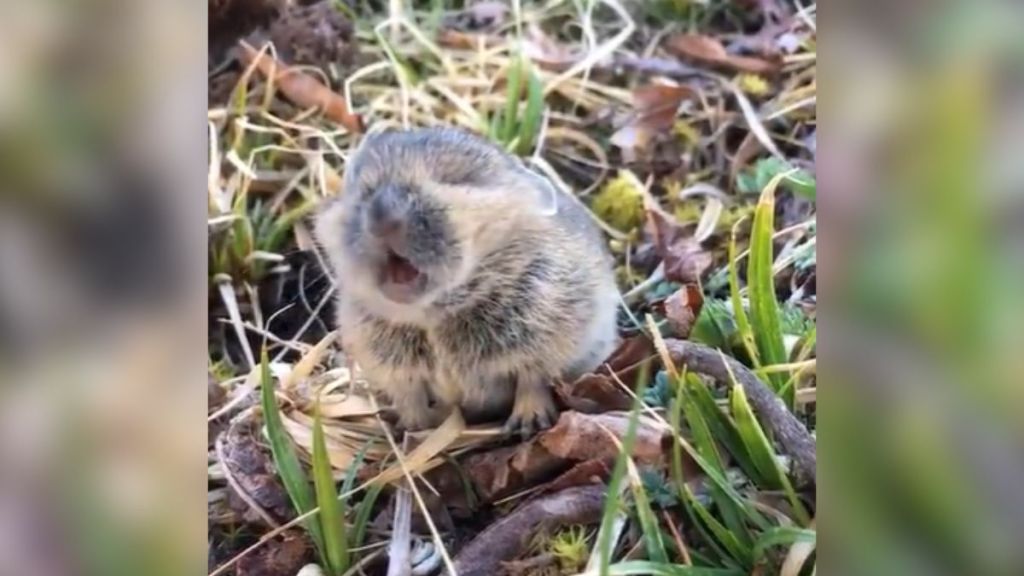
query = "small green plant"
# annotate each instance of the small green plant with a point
(731, 534)
(286, 459)
(620, 203)
(514, 132)
(660, 393)
(754, 180)
(328, 529)
(660, 488)
(762, 333)
(569, 546)
(254, 232)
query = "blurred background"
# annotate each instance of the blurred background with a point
(103, 277)
(923, 274)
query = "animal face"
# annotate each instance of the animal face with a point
(402, 238)
(419, 210)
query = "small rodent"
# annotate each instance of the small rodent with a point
(465, 279)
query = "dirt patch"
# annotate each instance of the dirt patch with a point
(314, 34)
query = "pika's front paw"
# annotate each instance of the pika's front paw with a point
(533, 411)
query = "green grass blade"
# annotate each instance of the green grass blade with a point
(743, 328)
(532, 114)
(239, 96)
(675, 419)
(741, 552)
(653, 541)
(332, 509)
(403, 69)
(494, 127)
(732, 511)
(282, 225)
(512, 93)
(764, 308)
(285, 458)
(723, 429)
(242, 240)
(808, 345)
(702, 439)
(353, 470)
(641, 567)
(363, 514)
(612, 502)
(761, 450)
(783, 536)
(721, 539)
(733, 534)
(756, 442)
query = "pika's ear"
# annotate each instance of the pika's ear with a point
(545, 193)
(358, 157)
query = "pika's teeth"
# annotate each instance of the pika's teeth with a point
(400, 270)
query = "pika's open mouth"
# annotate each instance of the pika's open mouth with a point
(400, 279)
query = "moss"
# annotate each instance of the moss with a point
(753, 84)
(620, 203)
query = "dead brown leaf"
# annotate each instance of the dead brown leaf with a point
(575, 438)
(626, 360)
(579, 437)
(589, 472)
(707, 50)
(682, 309)
(505, 471)
(283, 555)
(593, 394)
(656, 107)
(250, 465)
(451, 38)
(303, 89)
(684, 258)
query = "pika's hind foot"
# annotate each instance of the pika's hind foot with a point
(534, 409)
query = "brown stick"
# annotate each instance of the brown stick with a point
(791, 434)
(505, 539)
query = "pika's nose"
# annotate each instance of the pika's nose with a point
(387, 212)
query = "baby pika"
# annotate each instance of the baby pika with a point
(465, 280)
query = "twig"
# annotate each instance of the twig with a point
(503, 540)
(658, 66)
(678, 538)
(364, 562)
(791, 434)
(531, 565)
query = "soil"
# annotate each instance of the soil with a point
(310, 34)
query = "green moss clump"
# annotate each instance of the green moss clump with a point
(620, 203)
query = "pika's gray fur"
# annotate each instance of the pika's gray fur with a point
(465, 279)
